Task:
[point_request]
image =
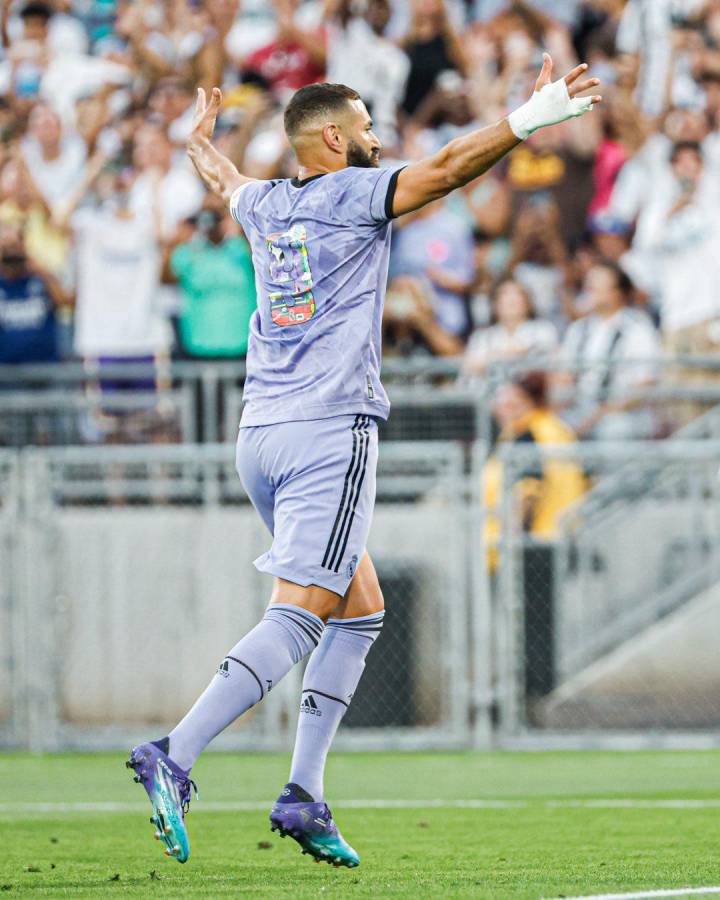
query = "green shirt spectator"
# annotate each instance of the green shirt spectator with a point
(218, 286)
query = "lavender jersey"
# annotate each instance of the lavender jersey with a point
(320, 250)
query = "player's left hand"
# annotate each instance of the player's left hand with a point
(554, 101)
(203, 124)
(573, 85)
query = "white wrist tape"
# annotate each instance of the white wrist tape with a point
(548, 106)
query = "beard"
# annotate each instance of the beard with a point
(356, 156)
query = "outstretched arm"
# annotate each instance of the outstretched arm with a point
(472, 155)
(216, 170)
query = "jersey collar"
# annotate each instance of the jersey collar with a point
(296, 182)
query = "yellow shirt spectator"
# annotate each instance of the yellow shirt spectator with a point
(544, 491)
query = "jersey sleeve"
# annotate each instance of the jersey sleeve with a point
(244, 198)
(365, 196)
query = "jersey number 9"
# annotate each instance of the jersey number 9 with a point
(292, 303)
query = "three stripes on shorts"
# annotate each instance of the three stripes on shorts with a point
(352, 486)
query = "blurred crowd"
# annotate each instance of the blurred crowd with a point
(594, 246)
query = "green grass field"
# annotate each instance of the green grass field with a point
(563, 824)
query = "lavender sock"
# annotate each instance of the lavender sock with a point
(331, 678)
(284, 636)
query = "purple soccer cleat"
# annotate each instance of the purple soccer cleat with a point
(168, 787)
(311, 825)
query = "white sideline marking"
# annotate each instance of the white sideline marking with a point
(262, 806)
(641, 895)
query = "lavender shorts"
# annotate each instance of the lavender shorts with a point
(313, 483)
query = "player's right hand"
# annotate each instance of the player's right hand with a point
(205, 115)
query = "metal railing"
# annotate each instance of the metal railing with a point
(62, 404)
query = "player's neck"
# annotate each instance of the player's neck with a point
(307, 172)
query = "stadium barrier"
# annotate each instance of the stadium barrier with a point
(71, 403)
(126, 572)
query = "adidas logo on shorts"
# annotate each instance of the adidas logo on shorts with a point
(309, 705)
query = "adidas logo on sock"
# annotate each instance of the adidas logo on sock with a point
(309, 705)
(224, 668)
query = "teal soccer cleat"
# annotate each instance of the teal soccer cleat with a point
(311, 825)
(168, 787)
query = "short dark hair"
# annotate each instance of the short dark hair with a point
(679, 146)
(495, 293)
(623, 282)
(313, 99)
(36, 9)
(535, 385)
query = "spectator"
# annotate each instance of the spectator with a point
(436, 246)
(612, 357)
(215, 273)
(29, 299)
(118, 276)
(172, 102)
(358, 53)
(22, 205)
(433, 46)
(611, 156)
(410, 323)
(539, 256)
(609, 238)
(67, 34)
(676, 253)
(515, 333)
(546, 487)
(161, 176)
(294, 57)
(645, 33)
(446, 113)
(29, 53)
(55, 156)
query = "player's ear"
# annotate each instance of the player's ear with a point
(333, 138)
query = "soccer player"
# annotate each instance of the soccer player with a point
(307, 446)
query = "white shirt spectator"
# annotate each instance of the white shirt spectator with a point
(636, 182)
(645, 29)
(544, 284)
(256, 26)
(118, 276)
(374, 67)
(66, 34)
(69, 77)
(615, 354)
(180, 196)
(531, 338)
(677, 258)
(56, 178)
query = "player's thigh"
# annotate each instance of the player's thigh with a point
(364, 596)
(324, 502)
(255, 480)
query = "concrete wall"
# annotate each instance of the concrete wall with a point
(666, 677)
